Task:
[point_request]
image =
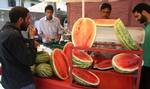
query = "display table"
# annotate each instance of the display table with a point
(53, 84)
(108, 80)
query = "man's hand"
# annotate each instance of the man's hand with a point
(32, 31)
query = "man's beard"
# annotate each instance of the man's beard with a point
(23, 26)
(143, 19)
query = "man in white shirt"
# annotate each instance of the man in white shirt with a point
(50, 28)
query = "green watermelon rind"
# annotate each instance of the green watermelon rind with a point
(84, 82)
(106, 68)
(47, 67)
(120, 39)
(94, 31)
(54, 67)
(124, 36)
(84, 61)
(120, 36)
(81, 63)
(42, 57)
(122, 70)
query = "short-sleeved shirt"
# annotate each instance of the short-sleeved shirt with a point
(146, 45)
(50, 28)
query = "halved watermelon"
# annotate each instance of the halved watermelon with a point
(85, 77)
(60, 65)
(103, 65)
(124, 36)
(68, 52)
(81, 58)
(83, 33)
(105, 22)
(126, 63)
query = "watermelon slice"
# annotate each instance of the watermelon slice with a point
(126, 63)
(85, 77)
(84, 33)
(124, 36)
(104, 65)
(60, 64)
(68, 52)
(105, 22)
(81, 58)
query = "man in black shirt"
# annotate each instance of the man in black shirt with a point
(17, 54)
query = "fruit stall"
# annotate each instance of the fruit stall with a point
(92, 62)
(102, 54)
(87, 63)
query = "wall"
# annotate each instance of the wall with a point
(120, 9)
(3, 3)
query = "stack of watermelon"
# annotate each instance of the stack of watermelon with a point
(49, 63)
(42, 67)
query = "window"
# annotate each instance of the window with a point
(11, 3)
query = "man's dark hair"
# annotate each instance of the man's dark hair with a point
(17, 12)
(49, 7)
(106, 5)
(140, 7)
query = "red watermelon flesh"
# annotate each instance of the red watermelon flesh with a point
(85, 75)
(127, 61)
(83, 32)
(60, 64)
(68, 52)
(104, 64)
(81, 54)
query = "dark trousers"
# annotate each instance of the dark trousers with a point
(145, 78)
(30, 86)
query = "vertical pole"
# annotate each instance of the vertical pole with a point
(83, 10)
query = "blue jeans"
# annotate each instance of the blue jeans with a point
(30, 86)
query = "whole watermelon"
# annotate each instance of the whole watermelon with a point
(42, 57)
(44, 70)
(33, 68)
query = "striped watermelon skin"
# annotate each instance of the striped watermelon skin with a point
(126, 63)
(42, 57)
(81, 59)
(85, 77)
(44, 70)
(124, 36)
